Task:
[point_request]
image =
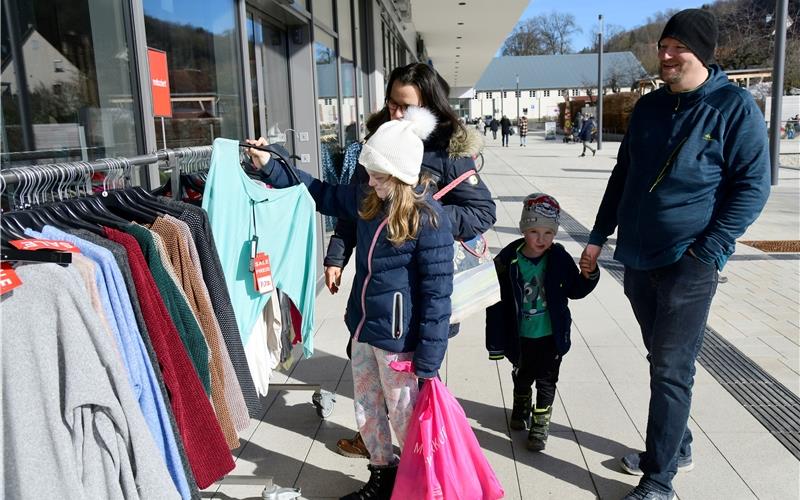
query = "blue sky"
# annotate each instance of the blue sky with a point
(626, 13)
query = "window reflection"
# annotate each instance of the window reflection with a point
(349, 111)
(328, 104)
(78, 104)
(203, 68)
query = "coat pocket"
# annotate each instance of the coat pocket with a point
(397, 315)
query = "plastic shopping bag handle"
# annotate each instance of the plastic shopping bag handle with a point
(402, 366)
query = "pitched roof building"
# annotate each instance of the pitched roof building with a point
(538, 83)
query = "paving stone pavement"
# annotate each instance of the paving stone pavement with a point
(601, 408)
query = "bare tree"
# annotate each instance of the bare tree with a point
(543, 34)
(524, 40)
(557, 29)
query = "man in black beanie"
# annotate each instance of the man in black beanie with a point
(692, 174)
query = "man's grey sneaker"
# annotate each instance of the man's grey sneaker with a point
(644, 493)
(630, 464)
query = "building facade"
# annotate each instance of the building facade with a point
(77, 81)
(512, 85)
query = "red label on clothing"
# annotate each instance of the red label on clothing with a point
(262, 274)
(61, 246)
(8, 280)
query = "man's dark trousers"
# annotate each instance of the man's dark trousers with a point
(671, 304)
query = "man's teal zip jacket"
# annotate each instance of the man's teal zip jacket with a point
(692, 173)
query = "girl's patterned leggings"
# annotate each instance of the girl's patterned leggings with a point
(378, 388)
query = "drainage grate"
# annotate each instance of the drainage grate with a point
(791, 246)
(769, 401)
(777, 408)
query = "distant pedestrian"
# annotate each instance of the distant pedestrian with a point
(480, 126)
(691, 175)
(530, 326)
(523, 129)
(505, 129)
(577, 123)
(494, 125)
(585, 135)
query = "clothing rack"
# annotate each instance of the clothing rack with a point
(40, 179)
(188, 159)
(165, 159)
(194, 157)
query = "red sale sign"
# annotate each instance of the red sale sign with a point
(159, 82)
(61, 246)
(8, 279)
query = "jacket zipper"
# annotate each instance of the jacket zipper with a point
(366, 280)
(397, 315)
(665, 169)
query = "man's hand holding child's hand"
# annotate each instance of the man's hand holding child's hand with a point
(588, 262)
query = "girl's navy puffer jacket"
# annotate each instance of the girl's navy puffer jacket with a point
(400, 300)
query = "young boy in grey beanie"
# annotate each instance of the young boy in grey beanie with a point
(530, 326)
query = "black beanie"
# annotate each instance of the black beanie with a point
(697, 29)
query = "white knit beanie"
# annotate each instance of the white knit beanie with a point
(396, 147)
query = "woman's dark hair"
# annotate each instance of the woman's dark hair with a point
(434, 91)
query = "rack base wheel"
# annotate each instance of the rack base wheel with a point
(323, 402)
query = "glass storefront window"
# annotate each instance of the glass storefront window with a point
(349, 111)
(255, 36)
(269, 74)
(323, 12)
(204, 72)
(325, 58)
(361, 45)
(345, 29)
(75, 102)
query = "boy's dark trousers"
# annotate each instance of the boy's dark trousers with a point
(538, 362)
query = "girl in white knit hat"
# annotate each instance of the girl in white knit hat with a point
(399, 306)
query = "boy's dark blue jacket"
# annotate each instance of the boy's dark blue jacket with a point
(400, 300)
(562, 281)
(692, 172)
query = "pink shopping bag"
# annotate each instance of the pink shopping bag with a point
(441, 456)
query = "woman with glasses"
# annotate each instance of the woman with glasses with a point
(449, 153)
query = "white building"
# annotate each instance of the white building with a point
(539, 83)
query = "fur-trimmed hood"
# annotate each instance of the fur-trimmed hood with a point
(465, 145)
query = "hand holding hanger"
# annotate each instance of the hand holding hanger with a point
(258, 156)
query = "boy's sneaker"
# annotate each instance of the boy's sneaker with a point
(645, 493)
(353, 448)
(630, 464)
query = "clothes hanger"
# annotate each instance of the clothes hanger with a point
(61, 215)
(9, 230)
(10, 254)
(88, 205)
(13, 254)
(116, 203)
(24, 215)
(141, 197)
(279, 155)
(67, 211)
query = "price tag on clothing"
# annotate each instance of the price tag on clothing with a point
(8, 279)
(262, 274)
(61, 246)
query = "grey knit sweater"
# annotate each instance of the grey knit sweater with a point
(71, 425)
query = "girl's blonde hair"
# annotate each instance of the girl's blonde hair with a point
(405, 207)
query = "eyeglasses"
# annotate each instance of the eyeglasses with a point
(393, 106)
(672, 49)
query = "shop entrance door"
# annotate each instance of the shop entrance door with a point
(269, 80)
